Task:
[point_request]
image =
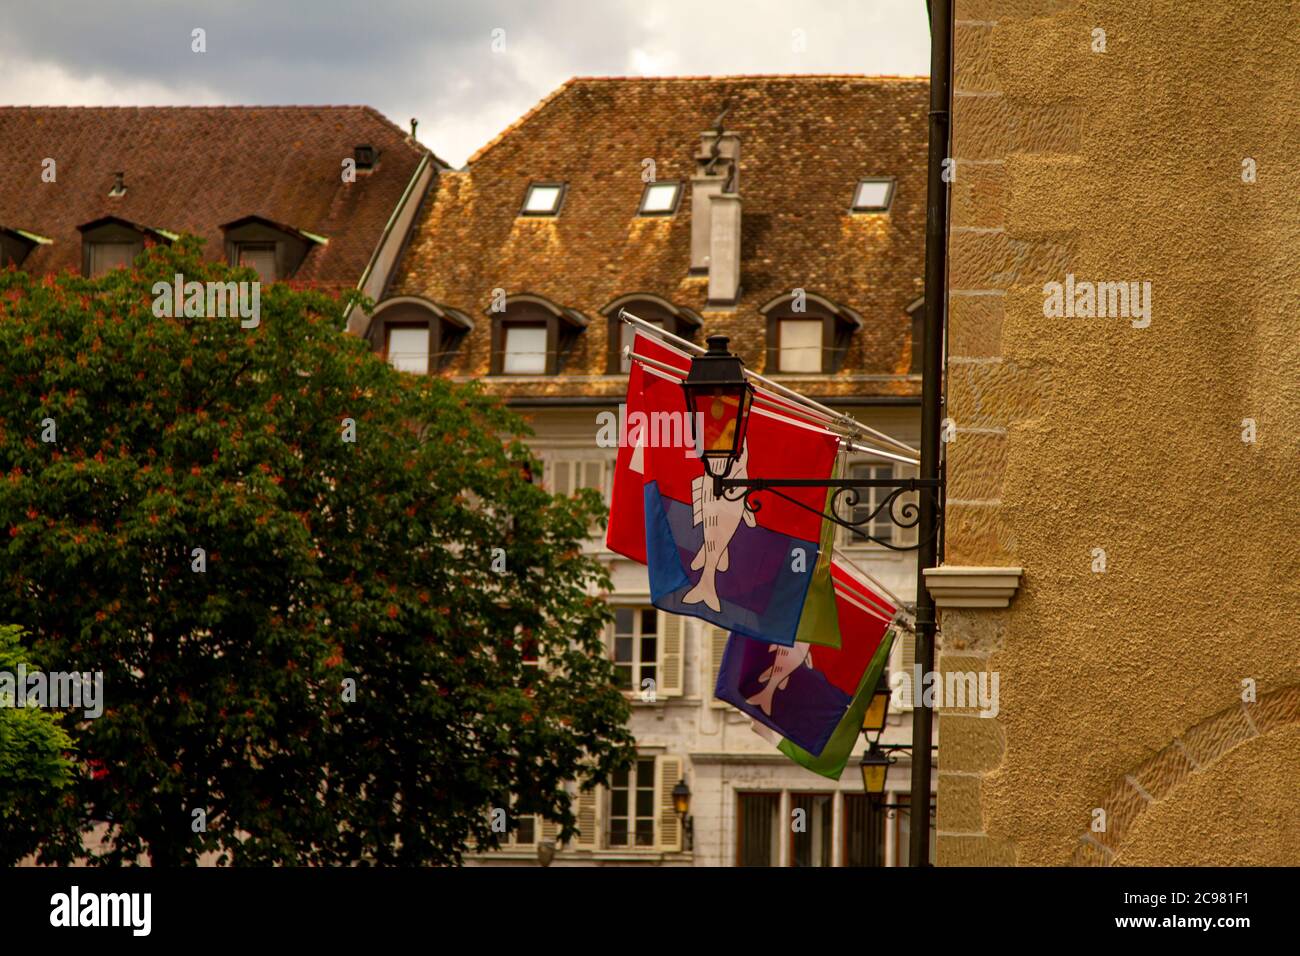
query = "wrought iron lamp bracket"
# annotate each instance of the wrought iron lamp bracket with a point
(845, 493)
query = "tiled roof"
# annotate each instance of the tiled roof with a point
(191, 169)
(805, 141)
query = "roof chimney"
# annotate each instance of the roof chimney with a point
(715, 214)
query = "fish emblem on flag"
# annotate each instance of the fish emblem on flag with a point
(777, 677)
(721, 517)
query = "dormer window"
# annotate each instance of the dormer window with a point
(416, 335)
(113, 243)
(660, 199)
(543, 199)
(524, 349)
(808, 333)
(660, 312)
(799, 345)
(874, 194)
(258, 256)
(534, 336)
(271, 249)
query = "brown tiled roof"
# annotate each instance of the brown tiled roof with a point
(191, 169)
(805, 141)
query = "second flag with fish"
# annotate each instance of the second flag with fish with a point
(710, 556)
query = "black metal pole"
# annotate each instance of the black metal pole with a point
(936, 296)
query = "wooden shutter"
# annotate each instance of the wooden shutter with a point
(717, 638)
(669, 772)
(548, 830)
(907, 661)
(670, 655)
(588, 814)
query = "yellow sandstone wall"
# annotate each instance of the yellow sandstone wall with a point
(1122, 689)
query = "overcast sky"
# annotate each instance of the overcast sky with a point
(430, 59)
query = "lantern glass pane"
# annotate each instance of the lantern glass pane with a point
(873, 777)
(719, 409)
(874, 719)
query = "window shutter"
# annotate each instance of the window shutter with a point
(548, 830)
(593, 474)
(669, 771)
(560, 477)
(902, 698)
(717, 638)
(588, 819)
(670, 655)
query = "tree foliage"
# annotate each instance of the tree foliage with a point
(34, 762)
(323, 561)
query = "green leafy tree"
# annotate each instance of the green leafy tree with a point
(34, 764)
(312, 640)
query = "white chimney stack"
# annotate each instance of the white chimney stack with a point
(715, 215)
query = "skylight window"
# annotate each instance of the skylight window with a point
(873, 195)
(660, 199)
(543, 199)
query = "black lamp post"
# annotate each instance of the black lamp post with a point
(682, 804)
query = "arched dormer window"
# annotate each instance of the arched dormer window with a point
(273, 250)
(671, 318)
(807, 333)
(533, 335)
(416, 335)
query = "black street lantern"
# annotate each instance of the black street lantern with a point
(718, 397)
(873, 721)
(682, 798)
(875, 768)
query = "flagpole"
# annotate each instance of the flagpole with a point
(855, 427)
(759, 399)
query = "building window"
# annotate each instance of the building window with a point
(659, 312)
(660, 199)
(564, 476)
(810, 831)
(629, 337)
(874, 194)
(525, 350)
(799, 345)
(636, 647)
(758, 828)
(260, 257)
(407, 348)
(543, 199)
(105, 256)
(869, 499)
(632, 806)
(864, 831)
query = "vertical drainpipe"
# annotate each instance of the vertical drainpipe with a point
(936, 301)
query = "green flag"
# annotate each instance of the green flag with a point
(836, 753)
